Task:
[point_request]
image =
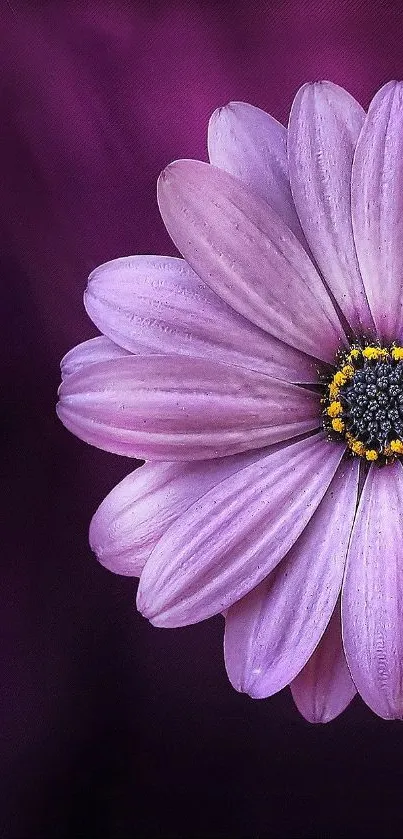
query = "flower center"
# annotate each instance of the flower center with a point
(364, 402)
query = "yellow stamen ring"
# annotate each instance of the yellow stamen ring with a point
(343, 388)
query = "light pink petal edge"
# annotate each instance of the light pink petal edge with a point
(90, 352)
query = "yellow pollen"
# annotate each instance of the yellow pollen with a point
(338, 425)
(348, 371)
(374, 353)
(397, 353)
(339, 379)
(333, 390)
(358, 448)
(353, 355)
(335, 409)
(371, 454)
(396, 446)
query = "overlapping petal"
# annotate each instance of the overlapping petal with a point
(377, 209)
(324, 688)
(325, 122)
(372, 597)
(139, 510)
(157, 304)
(241, 248)
(271, 633)
(252, 145)
(179, 408)
(90, 352)
(236, 534)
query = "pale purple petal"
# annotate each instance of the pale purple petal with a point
(90, 352)
(271, 633)
(377, 209)
(137, 512)
(324, 688)
(252, 145)
(324, 125)
(236, 534)
(240, 247)
(179, 408)
(157, 304)
(372, 596)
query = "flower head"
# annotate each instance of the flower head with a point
(261, 379)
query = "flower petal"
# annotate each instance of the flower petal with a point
(157, 304)
(324, 125)
(236, 534)
(324, 688)
(179, 408)
(240, 247)
(252, 145)
(132, 518)
(90, 352)
(271, 633)
(372, 597)
(377, 208)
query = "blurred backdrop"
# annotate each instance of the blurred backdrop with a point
(109, 727)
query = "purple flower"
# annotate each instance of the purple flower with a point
(261, 378)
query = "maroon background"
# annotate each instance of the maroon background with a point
(108, 726)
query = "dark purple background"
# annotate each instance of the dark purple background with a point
(110, 728)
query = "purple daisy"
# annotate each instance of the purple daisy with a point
(261, 379)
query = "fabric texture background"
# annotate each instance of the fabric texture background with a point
(110, 727)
